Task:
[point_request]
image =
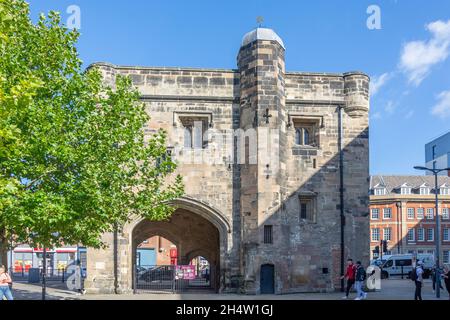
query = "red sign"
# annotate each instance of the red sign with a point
(173, 253)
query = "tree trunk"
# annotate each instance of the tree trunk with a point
(3, 253)
(3, 249)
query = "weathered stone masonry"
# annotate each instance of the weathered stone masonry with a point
(239, 199)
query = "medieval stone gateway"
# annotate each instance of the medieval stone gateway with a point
(267, 208)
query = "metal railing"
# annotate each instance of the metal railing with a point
(52, 274)
(167, 278)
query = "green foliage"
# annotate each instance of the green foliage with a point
(74, 160)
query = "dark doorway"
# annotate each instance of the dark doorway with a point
(267, 279)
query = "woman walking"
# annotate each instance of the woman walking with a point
(5, 282)
(446, 277)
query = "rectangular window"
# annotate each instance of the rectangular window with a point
(411, 235)
(430, 252)
(420, 234)
(195, 129)
(375, 214)
(268, 234)
(380, 191)
(424, 191)
(375, 234)
(306, 131)
(387, 234)
(307, 208)
(420, 212)
(445, 213)
(430, 213)
(446, 257)
(387, 213)
(410, 213)
(430, 234)
(445, 235)
(445, 191)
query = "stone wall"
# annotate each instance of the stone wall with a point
(261, 95)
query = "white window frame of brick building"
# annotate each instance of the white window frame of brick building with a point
(430, 234)
(410, 213)
(411, 236)
(405, 189)
(375, 236)
(379, 191)
(420, 234)
(420, 213)
(445, 214)
(445, 234)
(385, 215)
(446, 256)
(430, 213)
(387, 233)
(374, 216)
(430, 252)
(424, 190)
(444, 190)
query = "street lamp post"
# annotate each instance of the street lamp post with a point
(438, 228)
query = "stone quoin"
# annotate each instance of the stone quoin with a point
(264, 225)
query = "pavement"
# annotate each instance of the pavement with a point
(391, 289)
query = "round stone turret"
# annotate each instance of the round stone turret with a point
(356, 89)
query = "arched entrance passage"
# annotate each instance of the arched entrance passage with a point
(195, 230)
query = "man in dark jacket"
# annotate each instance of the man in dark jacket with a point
(359, 281)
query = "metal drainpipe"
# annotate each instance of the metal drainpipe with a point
(116, 276)
(341, 191)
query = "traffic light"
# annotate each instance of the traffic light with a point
(377, 250)
(384, 245)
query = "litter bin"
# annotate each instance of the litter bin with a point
(34, 275)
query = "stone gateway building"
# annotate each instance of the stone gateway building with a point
(276, 173)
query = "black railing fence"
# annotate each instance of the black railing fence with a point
(171, 279)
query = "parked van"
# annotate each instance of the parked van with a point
(402, 264)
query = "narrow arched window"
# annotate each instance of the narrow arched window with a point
(305, 137)
(188, 137)
(298, 136)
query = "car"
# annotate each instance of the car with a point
(158, 273)
(402, 264)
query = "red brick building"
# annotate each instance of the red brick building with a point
(402, 211)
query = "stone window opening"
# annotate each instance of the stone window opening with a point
(268, 234)
(306, 131)
(195, 131)
(307, 208)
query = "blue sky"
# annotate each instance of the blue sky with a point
(407, 59)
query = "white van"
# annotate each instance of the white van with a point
(402, 264)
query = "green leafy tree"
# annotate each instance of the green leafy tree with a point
(74, 159)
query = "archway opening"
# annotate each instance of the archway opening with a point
(202, 270)
(179, 254)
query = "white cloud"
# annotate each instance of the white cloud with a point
(390, 107)
(418, 57)
(442, 107)
(376, 116)
(378, 82)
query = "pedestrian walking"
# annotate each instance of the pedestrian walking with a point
(417, 277)
(434, 279)
(360, 277)
(446, 276)
(5, 284)
(349, 276)
(79, 279)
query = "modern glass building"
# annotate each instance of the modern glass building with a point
(437, 152)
